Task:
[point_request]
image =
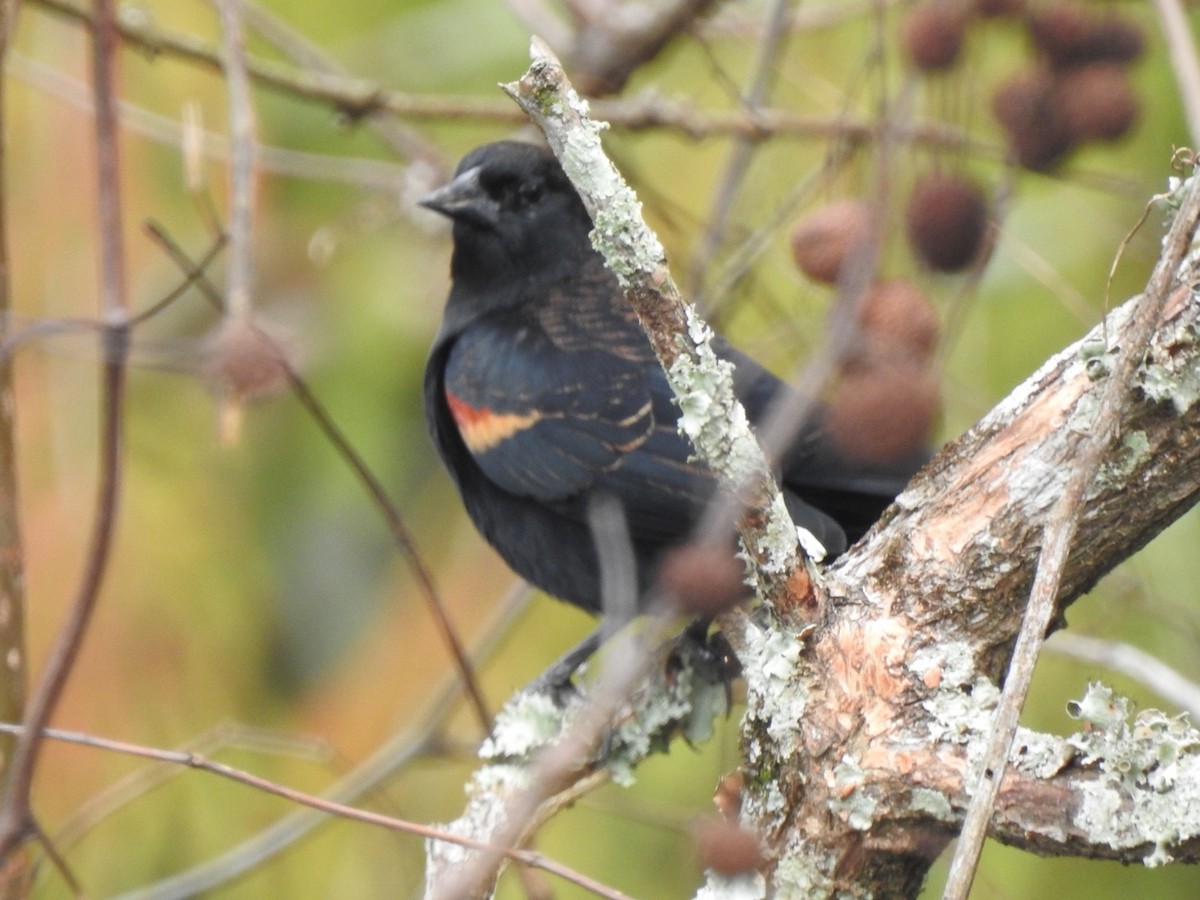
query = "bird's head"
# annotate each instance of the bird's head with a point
(515, 214)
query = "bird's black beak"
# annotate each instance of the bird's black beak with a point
(464, 199)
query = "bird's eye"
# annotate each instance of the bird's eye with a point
(529, 192)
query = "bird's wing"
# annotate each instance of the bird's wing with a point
(543, 420)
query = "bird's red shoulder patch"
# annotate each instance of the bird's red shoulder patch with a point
(483, 428)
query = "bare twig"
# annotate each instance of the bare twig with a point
(357, 171)
(374, 488)
(613, 40)
(197, 761)
(14, 674)
(358, 98)
(1181, 46)
(1061, 523)
(405, 141)
(242, 138)
(741, 153)
(16, 818)
(416, 739)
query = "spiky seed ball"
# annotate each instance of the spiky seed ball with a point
(1068, 35)
(1097, 102)
(947, 219)
(242, 361)
(726, 848)
(702, 579)
(1114, 39)
(883, 409)
(933, 34)
(1059, 31)
(1026, 106)
(896, 318)
(824, 239)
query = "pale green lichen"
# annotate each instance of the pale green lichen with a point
(1125, 460)
(747, 886)
(657, 712)
(1149, 789)
(931, 803)
(801, 874)
(1096, 355)
(526, 723)
(848, 799)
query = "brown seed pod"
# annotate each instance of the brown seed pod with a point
(1069, 35)
(897, 319)
(1026, 106)
(932, 35)
(824, 239)
(947, 219)
(703, 580)
(725, 847)
(242, 361)
(994, 9)
(883, 409)
(1097, 102)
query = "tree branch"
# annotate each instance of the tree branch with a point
(922, 615)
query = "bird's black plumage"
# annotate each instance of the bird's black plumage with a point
(542, 392)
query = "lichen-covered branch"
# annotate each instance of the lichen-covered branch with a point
(844, 733)
(712, 417)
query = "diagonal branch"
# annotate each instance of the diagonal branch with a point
(712, 419)
(1095, 442)
(922, 616)
(16, 817)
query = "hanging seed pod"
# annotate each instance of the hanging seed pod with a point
(824, 239)
(947, 220)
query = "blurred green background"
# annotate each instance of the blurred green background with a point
(255, 587)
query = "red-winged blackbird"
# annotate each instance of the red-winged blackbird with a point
(542, 392)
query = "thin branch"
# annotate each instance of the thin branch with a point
(242, 139)
(1181, 47)
(1061, 523)
(401, 748)
(202, 763)
(742, 151)
(16, 818)
(15, 674)
(375, 489)
(357, 171)
(406, 142)
(358, 98)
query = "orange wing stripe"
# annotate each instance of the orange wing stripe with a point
(481, 428)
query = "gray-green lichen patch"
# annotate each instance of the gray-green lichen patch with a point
(746, 886)
(1162, 382)
(526, 723)
(656, 712)
(847, 798)
(713, 419)
(931, 803)
(1149, 789)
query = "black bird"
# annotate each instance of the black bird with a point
(542, 393)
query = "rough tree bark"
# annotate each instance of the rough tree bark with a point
(859, 740)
